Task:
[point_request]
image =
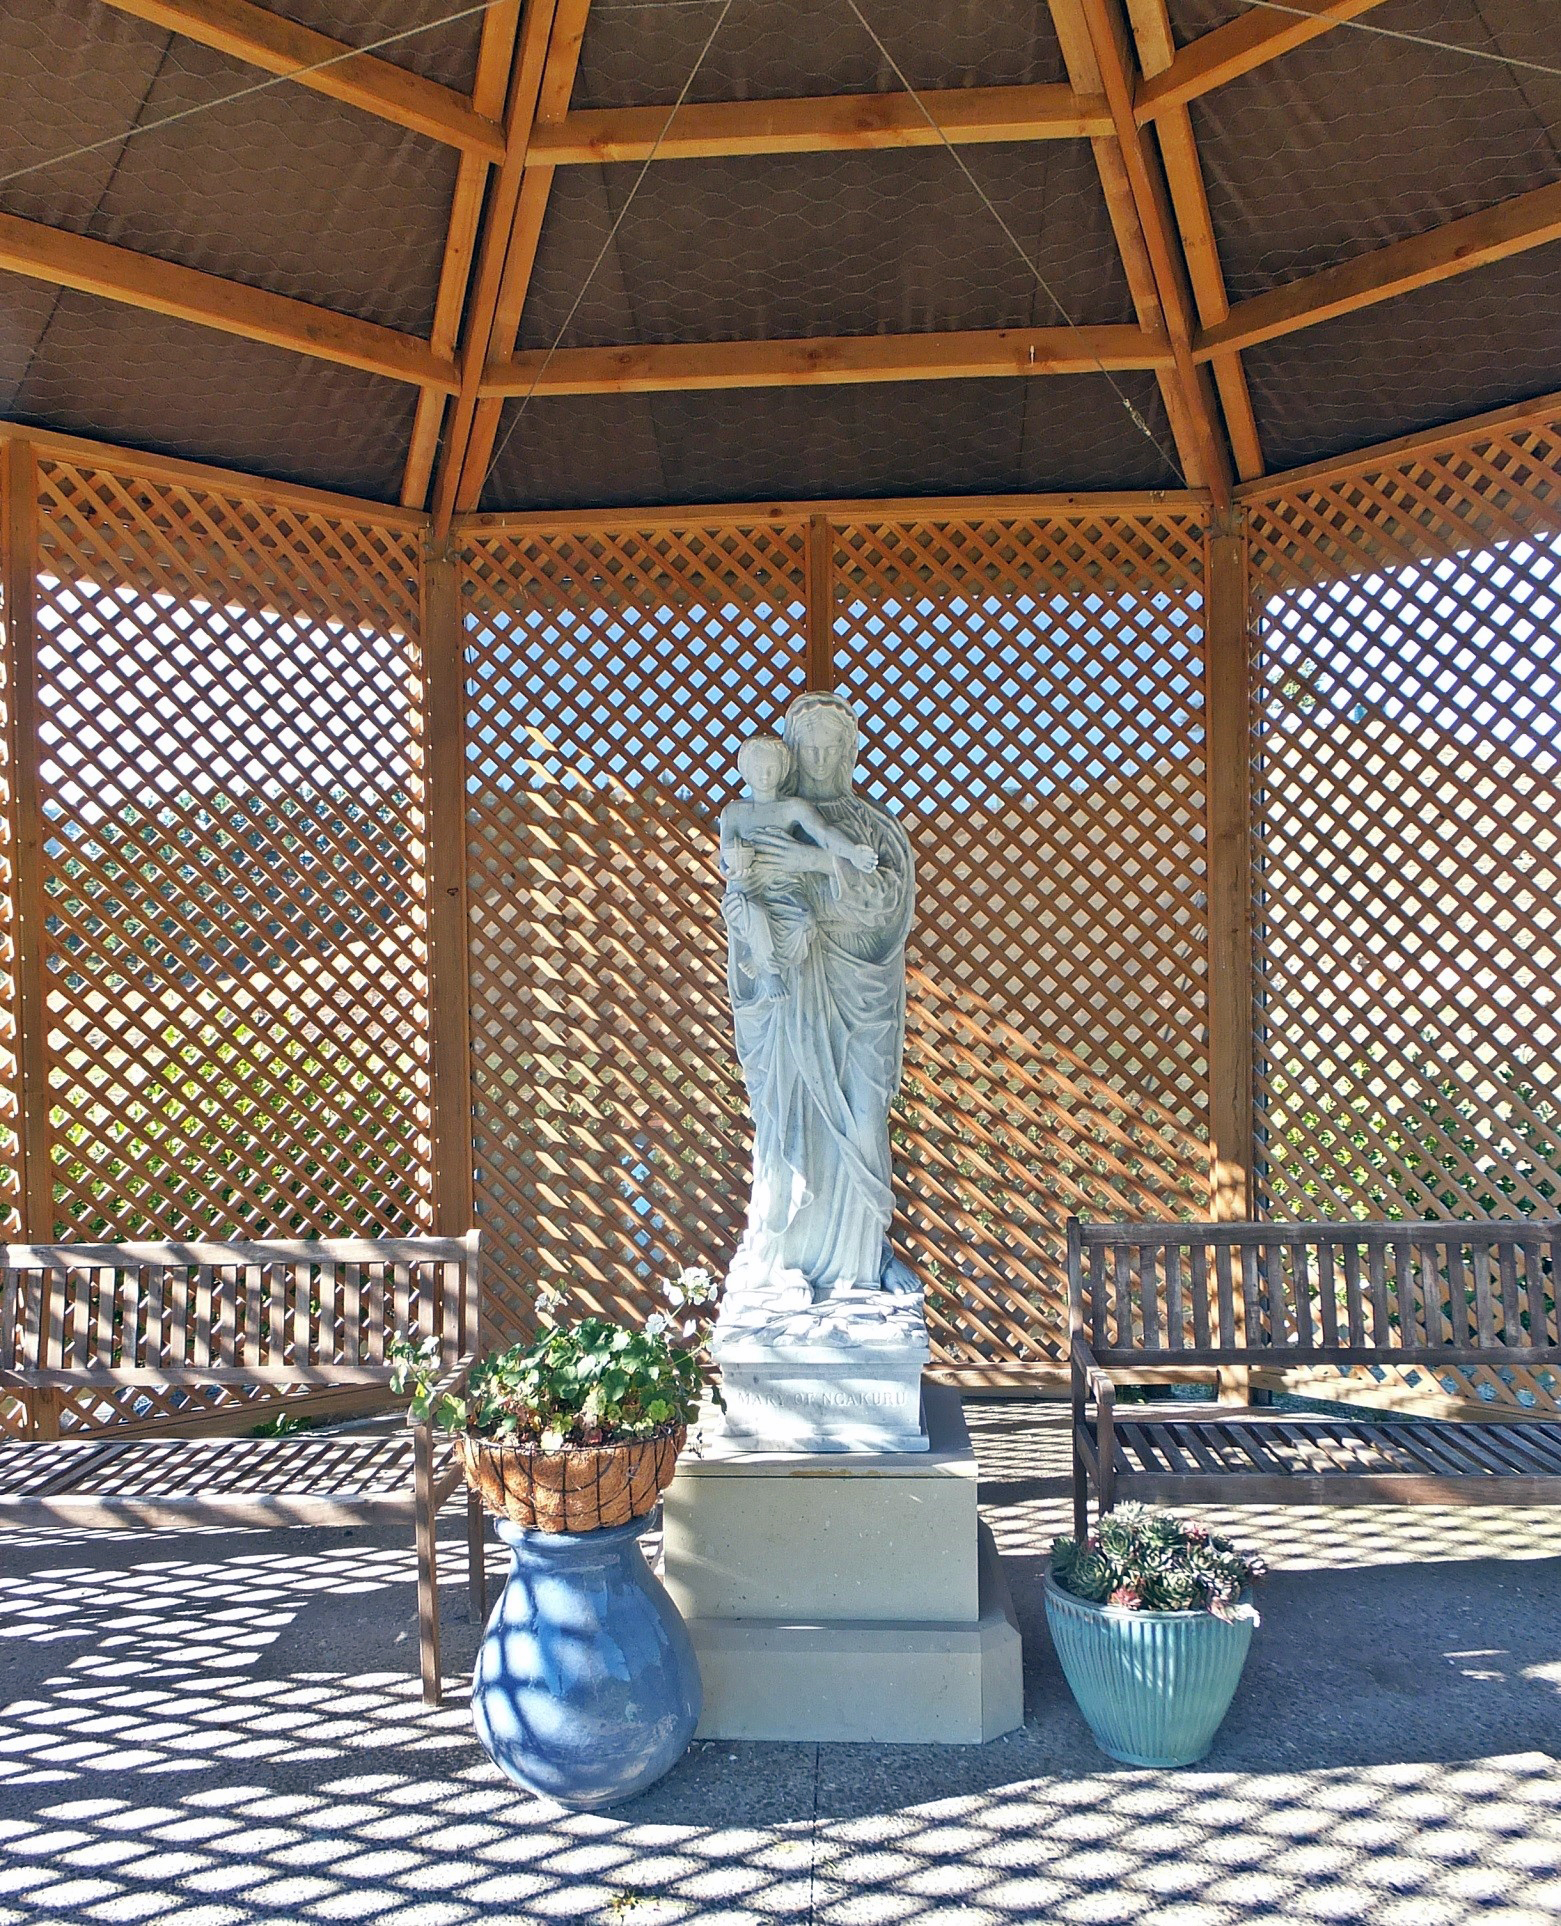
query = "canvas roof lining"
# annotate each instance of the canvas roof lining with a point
(791, 245)
(1438, 355)
(297, 193)
(1357, 170)
(779, 49)
(918, 438)
(312, 199)
(118, 374)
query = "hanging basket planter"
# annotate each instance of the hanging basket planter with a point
(574, 1488)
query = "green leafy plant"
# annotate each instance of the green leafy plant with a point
(1141, 1560)
(590, 1383)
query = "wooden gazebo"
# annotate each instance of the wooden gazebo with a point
(421, 464)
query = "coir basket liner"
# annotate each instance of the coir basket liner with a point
(579, 1488)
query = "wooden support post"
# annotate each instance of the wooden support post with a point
(444, 768)
(1228, 697)
(1227, 671)
(19, 559)
(821, 604)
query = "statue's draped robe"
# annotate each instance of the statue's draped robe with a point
(822, 1067)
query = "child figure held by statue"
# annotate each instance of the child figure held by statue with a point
(771, 922)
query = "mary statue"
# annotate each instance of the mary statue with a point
(819, 899)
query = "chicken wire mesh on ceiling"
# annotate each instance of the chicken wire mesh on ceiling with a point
(820, 244)
(113, 373)
(791, 444)
(283, 189)
(636, 56)
(1435, 356)
(1382, 139)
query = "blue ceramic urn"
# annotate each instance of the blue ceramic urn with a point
(586, 1688)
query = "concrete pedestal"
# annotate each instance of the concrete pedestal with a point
(845, 1595)
(841, 1375)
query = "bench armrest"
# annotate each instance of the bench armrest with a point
(1087, 1372)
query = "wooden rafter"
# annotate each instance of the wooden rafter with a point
(1094, 48)
(141, 281)
(551, 38)
(1084, 73)
(1151, 23)
(494, 58)
(1228, 52)
(1511, 227)
(828, 361)
(835, 123)
(276, 45)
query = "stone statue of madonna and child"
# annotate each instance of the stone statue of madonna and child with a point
(821, 1337)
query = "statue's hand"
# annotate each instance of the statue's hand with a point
(778, 853)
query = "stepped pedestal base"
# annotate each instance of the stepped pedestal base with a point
(845, 1595)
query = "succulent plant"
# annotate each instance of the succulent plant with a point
(1093, 1576)
(1138, 1559)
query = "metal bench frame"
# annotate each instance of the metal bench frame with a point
(310, 1315)
(1173, 1302)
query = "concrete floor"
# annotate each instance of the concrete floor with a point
(218, 1729)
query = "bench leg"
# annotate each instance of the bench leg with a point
(44, 1406)
(1080, 1468)
(427, 1564)
(476, 1562)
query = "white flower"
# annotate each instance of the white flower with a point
(695, 1284)
(655, 1324)
(552, 1440)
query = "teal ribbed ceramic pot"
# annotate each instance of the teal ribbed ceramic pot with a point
(1153, 1686)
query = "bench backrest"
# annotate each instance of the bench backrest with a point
(256, 1306)
(1345, 1293)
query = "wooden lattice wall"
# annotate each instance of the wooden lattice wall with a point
(221, 918)
(354, 887)
(1407, 778)
(1031, 701)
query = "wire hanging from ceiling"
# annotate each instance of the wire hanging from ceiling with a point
(612, 235)
(244, 93)
(1133, 413)
(1414, 39)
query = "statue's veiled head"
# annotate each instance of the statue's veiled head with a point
(822, 734)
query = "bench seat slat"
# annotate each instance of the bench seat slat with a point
(1337, 1449)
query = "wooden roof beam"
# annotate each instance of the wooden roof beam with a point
(64, 260)
(1095, 48)
(1228, 52)
(834, 123)
(831, 361)
(495, 229)
(275, 45)
(1151, 24)
(495, 57)
(496, 325)
(1511, 227)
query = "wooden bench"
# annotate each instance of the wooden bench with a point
(312, 1316)
(1162, 1303)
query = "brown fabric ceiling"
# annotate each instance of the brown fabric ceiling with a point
(1342, 146)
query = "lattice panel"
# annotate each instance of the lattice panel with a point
(999, 1138)
(236, 955)
(10, 1093)
(609, 677)
(1408, 742)
(610, 673)
(1033, 697)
